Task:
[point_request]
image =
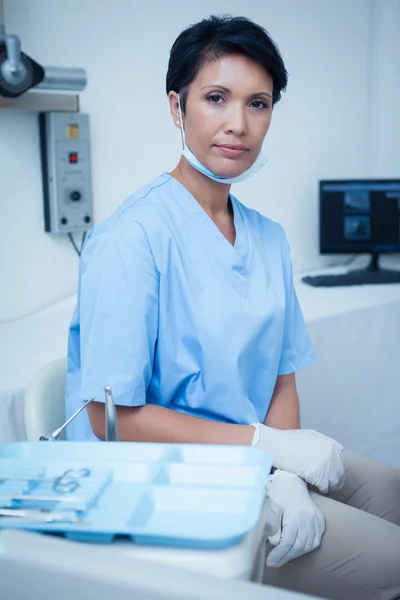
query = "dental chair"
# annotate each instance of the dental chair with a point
(44, 408)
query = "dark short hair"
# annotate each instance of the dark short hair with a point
(218, 36)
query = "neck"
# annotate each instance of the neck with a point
(211, 195)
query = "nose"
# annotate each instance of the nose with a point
(236, 120)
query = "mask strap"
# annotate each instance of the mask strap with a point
(182, 130)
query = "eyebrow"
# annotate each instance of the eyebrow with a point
(228, 91)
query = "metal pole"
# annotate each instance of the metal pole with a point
(112, 431)
(63, 78)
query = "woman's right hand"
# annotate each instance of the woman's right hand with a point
(312, 456)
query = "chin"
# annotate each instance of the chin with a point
(232, 169)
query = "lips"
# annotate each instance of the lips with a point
(233, 147)
(232, 150)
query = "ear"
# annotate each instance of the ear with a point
(174, 108)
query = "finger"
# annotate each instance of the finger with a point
(322, 485)
(297, 551)
(302, 543)
(341, 481)
(320, 524)
(280, 555)
(319, 528)
(313, 538)
(336, 443)
(333, 481)
(276, 538)
(308, 538)
(277, 556)
(321, 480)
(338, 477)
(341, 473)
(315, 543)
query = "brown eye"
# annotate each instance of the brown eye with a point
(215, 98)
(259, 104)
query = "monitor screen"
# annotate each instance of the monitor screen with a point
(359, 216)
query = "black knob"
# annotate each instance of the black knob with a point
(63, 221)
(87, 219)
(75, 196)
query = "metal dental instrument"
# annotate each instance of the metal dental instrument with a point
(32, 514)
(64, 484)
(52, 437)
(112, 432)
(67, 482)
(44, 498)
(41, 515)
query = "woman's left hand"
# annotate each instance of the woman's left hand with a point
(302, 523)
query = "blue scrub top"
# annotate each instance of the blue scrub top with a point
(170, 313)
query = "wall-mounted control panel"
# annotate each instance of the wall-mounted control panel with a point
(67, 187)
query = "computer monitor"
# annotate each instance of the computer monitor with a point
(360, 216)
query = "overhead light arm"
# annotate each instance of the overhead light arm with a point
(20, 73)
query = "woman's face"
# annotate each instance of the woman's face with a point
(228, 113)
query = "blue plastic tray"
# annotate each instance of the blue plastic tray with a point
(189, 495)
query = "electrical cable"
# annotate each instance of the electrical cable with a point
(74, 244)
(79, 252)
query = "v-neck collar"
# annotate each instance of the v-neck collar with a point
(236, 254)
(194, 208)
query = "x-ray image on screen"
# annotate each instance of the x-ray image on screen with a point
(395, 196)
(357, 228)
(357, 201)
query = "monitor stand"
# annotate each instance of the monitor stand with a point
(371, 275)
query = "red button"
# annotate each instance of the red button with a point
(73, 157)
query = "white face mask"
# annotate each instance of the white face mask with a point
(196, 164)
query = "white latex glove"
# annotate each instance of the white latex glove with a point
(302, 524)
(312, 456)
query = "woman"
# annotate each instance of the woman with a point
(186, 308)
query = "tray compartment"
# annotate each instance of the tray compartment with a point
(209, 475)
(200, 515)
(221, 455)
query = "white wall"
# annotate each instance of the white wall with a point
(384, 111)
(343, 60)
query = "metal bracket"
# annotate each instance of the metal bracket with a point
(42, 102)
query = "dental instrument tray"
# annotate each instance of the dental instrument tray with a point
(188, 495)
